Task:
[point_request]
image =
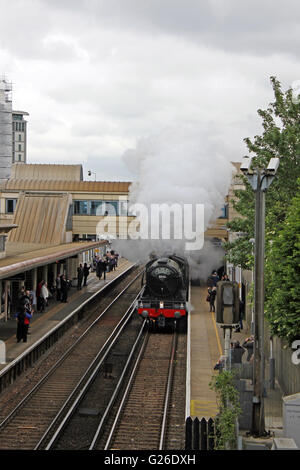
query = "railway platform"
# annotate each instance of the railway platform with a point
(56, 312)
(204, 349)
(205, 346)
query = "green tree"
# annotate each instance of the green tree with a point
(282, 276)
(280, 138)
(229, 409)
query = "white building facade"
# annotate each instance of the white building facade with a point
(5, 129)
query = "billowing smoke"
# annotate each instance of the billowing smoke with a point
(180, 166)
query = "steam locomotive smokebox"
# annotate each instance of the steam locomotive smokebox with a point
(165, 277)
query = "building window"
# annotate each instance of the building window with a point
(20, 158)
(81, 207)
(20, 137)
(10, 205)
(69, 223)
(20, 148)
(99, 208)
(224, 212)
(111, 208)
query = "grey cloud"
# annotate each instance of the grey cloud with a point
(256, 26)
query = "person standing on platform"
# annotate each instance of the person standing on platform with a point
(64, 288)
(23, 317)
(21, 294)
(237, 353)
(212, 292)
(58, 288)
(101, 268)
(249, 345)
(86, 272)
(38, 295)
(44, 296)
(79, 276)
(215, 278)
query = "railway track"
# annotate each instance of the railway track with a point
(118, 413)
(31, 422)
(141, 419)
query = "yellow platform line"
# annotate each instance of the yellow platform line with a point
(208, 408)
(217, 334)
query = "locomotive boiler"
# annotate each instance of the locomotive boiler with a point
(166, 290)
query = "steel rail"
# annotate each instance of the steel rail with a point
(168, 391)
(126, 393)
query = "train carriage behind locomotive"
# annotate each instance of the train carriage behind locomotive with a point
(166, 290)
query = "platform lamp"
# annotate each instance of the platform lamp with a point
(91, 172)
(260, 180)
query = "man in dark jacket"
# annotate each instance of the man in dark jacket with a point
(249, 345)
(63, 288)
(212, 297)
(237, 353)
(23, 316)
(101, 268)
(86, 272)
(79, 276)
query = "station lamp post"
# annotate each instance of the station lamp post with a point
(260, 180)
(90, 173)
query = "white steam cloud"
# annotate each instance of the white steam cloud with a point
(178, 166)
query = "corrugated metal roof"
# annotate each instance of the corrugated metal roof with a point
(47, 172)
(70, 186)
(41, 219)
(12, 265)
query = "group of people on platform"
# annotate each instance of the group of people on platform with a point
(100, 265)
(237, 351)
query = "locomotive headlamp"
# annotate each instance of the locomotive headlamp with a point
(161, 304)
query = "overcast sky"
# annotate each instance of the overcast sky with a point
(96, 76)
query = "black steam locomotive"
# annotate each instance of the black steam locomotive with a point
(166, 292)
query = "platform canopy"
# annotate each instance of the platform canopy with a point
(13, 265)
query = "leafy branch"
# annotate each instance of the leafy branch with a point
(229, 409)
